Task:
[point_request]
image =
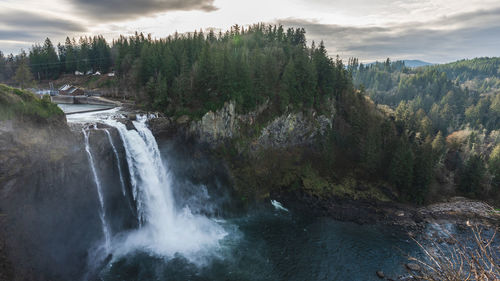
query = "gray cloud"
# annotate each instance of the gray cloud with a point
(20, 26)
(445, 39)
(112, 10)
(21, 20)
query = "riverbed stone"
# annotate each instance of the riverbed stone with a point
(130, 125)
(413, 267)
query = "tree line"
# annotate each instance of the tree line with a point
(47, 62)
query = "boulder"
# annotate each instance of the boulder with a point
(450, 241)
(380, 274)
(162, 126)
(413, 267)
(183, 120)
(130, 125)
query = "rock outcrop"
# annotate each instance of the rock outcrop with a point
(293, 129)
(215, 127)
(461, 210)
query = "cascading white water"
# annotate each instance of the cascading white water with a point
(102, 212)
(164, 230)
(117, 157)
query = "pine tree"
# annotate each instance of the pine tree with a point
(438, 146)
(51, 60)
(71, 56)
(494, 166)
(472, 175)
(423, 172)
(23, 74)
(401, 167)
(288, 91)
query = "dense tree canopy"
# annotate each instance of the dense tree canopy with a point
(200, 72)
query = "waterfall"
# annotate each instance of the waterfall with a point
(122, 181)
(164, 230)
(102, 213)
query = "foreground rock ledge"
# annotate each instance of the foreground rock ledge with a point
(461, 210)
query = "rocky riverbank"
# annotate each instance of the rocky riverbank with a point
(457, 210)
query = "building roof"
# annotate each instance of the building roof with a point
(65, 87)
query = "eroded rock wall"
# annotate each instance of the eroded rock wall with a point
(49, 208)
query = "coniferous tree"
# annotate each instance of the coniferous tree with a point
(23, 74)
(71, 56)
(401, 167)
(51, 60)
(494, 166)
(422, 173)
(471, 176)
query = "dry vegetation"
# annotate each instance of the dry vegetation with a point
(476, 259)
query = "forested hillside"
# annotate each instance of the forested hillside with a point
(436, 103)
(479, 74)
(420, 133)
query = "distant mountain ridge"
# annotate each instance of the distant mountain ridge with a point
(416, 63)
(409, 63)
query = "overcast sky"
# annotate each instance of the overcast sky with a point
(431, 30)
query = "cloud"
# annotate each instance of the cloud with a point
(464, 35)
(115, 10)
(21, 29)
(22, 20)
(21, 26)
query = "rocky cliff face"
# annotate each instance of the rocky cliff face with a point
(48, 203)
(43, 200)
(215, 128)
(293, 129)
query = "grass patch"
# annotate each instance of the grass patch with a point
(20, 104)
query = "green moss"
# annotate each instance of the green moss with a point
(313, 182)
(350, 188)
(257, 174)
(16, 103)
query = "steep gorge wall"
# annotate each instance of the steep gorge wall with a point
(48, 202)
